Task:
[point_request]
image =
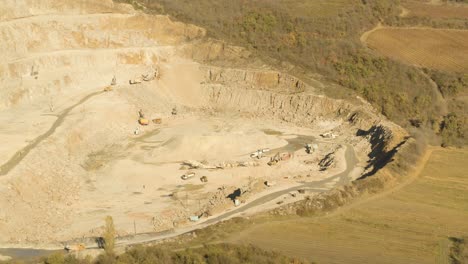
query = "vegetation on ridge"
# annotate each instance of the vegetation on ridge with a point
(209, 254)
(324, 37)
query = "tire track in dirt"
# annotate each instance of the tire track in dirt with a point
(22, 153)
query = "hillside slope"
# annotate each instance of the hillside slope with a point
(320, 40)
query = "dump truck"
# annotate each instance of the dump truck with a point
(188, 176)
(311, 148)
(194, 218)
(259, 153)
(135, 81)
(329, 135)
(270, 183)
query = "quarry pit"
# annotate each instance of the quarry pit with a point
(77, 80)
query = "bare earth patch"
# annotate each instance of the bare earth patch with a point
(423, 47)
(438, 11)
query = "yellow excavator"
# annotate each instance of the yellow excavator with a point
(142, 120)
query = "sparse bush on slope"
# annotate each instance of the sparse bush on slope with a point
(209, 254)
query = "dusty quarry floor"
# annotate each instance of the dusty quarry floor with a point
(72, 153)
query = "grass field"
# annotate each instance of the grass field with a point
(431, 48)
(439, 11)
(418, 223)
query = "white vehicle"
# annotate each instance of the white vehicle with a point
(270, 183)
(259, 153)
(188, 176)
(328, 135)
(310, 148)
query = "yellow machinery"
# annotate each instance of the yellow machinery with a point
(143, 121)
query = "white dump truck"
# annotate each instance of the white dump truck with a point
(329, 135)
(188, 176)
(259, 153)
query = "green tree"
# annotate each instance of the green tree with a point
(109, 236)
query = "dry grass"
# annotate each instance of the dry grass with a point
(411, 225)
(316, 8)
(432, 48)
(439, 11)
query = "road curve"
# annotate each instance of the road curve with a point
(343, 178)
(316, 187)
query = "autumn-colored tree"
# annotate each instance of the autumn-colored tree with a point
(109, 236)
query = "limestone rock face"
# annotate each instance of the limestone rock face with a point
(53, 46)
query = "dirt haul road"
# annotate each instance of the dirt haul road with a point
(313, 187)
(10, 164)
(72, 155)
(343, 177)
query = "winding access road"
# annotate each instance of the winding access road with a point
(341, 178)
(315, 187)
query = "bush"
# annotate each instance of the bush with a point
(449, 84)
(109, 236)
(210, 254)
(453, 129)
